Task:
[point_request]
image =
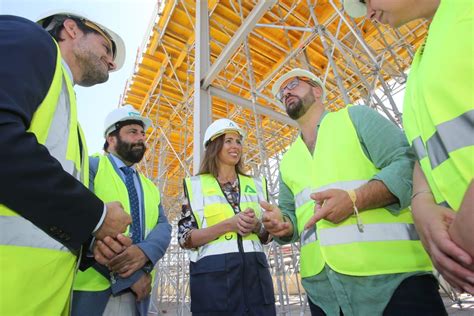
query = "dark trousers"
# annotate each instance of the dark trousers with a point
(415, 296)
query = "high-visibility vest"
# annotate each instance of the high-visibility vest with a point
(210, 207)
(438, 112)
(38, 271)
(388, 244)
(109, 187)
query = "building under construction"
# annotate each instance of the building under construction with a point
(204, 60)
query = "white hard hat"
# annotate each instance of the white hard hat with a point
(119, 58)
(355, 8)
(124, 113)
(220, 127)
(297, 72)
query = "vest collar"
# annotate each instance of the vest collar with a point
(319, 123)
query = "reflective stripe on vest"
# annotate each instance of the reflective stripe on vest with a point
(49, 272)
(198, 200)
(18, 232)
(304, 196)
(348, 234)
(109, 186)
(449, 136)
(221, 199)
(438, 119)
(308, 236)
(62, 140)
(351, 234)
(223, 248)
(372, 232)
(388, 245)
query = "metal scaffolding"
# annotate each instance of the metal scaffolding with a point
(237, 49)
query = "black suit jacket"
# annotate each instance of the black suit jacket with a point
(32, 182)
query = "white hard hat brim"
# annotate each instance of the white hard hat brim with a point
(119, 43)
(230, 130)
(147, 123)
(220, 127)
(355, 8)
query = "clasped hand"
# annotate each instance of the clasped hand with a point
(245, 222)
(455, 264)
(119, 255)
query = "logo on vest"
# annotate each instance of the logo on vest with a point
(249, 189)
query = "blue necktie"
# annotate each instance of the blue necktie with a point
(134, 205)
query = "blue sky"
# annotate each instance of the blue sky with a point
(130, 19)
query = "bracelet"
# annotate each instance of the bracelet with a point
(353, 197)
(420, 192)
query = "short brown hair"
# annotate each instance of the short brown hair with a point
(59, 26)
(211, 156)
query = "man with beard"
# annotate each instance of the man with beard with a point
(345, 186)
(123, 285)
(46, 211)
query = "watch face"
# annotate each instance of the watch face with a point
(148, 267)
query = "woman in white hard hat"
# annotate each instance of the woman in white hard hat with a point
(221, 226)
(438, 119)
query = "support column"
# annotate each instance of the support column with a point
(202, 99)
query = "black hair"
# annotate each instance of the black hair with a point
(116, 132)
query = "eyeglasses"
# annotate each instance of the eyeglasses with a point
(291, 85)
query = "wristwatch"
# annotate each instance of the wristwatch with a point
(148, 267)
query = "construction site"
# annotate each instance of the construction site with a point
(205, 60)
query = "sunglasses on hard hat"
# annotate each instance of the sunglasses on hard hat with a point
(103, 33)
(291, 85)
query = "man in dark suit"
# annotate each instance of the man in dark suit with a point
(46, 213)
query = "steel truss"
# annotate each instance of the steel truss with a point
(237, 49)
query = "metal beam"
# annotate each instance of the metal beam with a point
(202, 99)
(260, 109)
(285, 27)
(246, 27)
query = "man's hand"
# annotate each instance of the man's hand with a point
(128, 261)
(432, 222)
(107, 249)
(247, 222)
(273, 221)
(142, 288)
(333, 205)
(115, 222)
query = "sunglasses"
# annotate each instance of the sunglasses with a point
(103, 33)
(291, 85)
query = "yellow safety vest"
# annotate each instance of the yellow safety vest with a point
(210, 207)
(438, 112)
(388, 244)
(109, 187)
(38, 271)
